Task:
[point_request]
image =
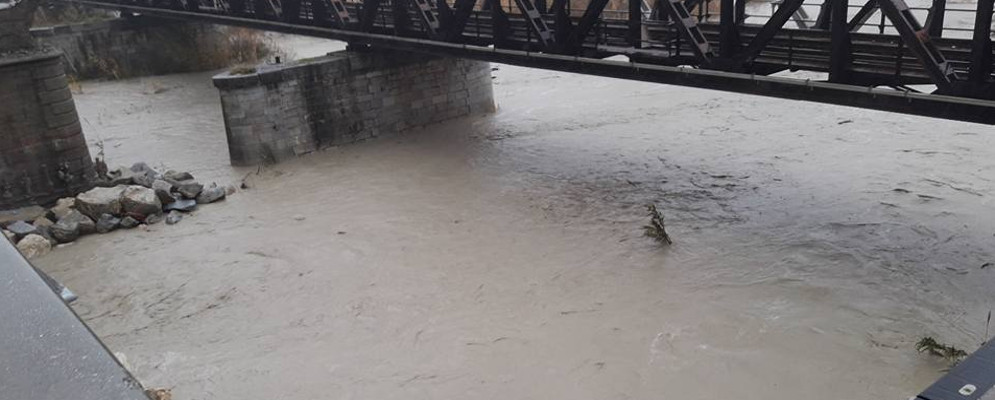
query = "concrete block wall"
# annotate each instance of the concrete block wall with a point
(43, 154)
(283, 111)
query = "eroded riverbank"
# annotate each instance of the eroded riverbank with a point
(502, 257)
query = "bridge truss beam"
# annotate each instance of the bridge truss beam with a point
(863, 68)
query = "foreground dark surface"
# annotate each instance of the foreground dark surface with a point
(46, 352)
(972, 379)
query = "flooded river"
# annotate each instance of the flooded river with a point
(502, 257)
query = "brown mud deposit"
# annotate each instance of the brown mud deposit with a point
(503, 257)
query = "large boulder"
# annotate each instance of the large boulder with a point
(140, 202)
(173, 217)
(31, 213)
(107, 223)
(22, 229)
(34, 246)
(145, 178)
(43, 226)
(185, 205)
(43, 221)
(177, 176)
(188, 188)
(144, 174)
(122, 176)
(153, 219)
(211, 194)
(140, 167)
(99, 201)
(86, 224)
(164, 190)
(62, 208)
(129, 222)
(66, 231)
(46, 232)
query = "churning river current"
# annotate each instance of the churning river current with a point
(503, 257)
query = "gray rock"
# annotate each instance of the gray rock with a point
(34, 246)
(65, 231)
(164, 190)
(145, 178)
(46, 232)
(140, 202)
(62, 208)
(125, 180)
(107, 223)
(10, 236)
(189, 188)
(153, 219)
(22, 229)
(44, 227)
(85, 224)
(140, 167)
(43, 221)
(173, 217)
(121, 176)
(98, 201)
(102, 182)
(211, 194)
(177, 176)
(129, 222)
(20, 214)
(185, 205)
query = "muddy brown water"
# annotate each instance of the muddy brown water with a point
(502, 257)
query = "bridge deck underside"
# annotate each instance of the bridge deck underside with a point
(656, 49)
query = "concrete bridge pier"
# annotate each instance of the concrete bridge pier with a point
(43, 154)
(275, 112)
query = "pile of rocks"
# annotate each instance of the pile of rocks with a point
(126, 198)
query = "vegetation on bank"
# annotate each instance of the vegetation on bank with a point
(242, 70)
(60, 13)
(180, 48)
(164, 48)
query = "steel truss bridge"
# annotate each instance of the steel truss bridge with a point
(878, 54)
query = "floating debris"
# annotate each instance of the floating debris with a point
(656, 228)
(947, 352)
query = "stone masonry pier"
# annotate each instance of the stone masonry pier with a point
(43, 154)
(281, 111)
